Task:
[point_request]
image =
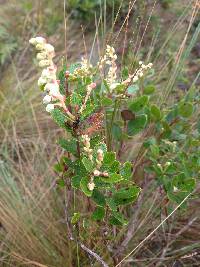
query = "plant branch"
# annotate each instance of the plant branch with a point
(75, 239)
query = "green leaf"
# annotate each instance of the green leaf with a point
(75, 99)
(119, 217)
(105, 87)
(137, 125)
(126, 195)
(114, 221)
(155, 112)
(61, 77)
(98, 214)
(109, 158)
(113, 178)
(132, 89)
(188, 185)
(59, 117)
(79, 168)
(90, 108)
(125, 73)
(98, 198)
(88, 164)
(105, 101)
(111, 203)
(84, 186)
(150, 141)
(116, 132)
(114, 167)
(75, 218)
(177, 197)
(185, 109)
(150, 89)
(61, 183)
(138, 103)
(58, 167)
(184, 184)
(155, 150)
(126, 171)
(120, 88)
(95, 140)
(75, 181)
(69, 145)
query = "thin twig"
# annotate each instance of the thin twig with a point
(94, 254)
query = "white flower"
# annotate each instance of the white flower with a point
(96, 173)
(168, 163)
(47, 99)
(50, 107)
(49, 75)
(45, 73)
(41, 81)
(41, 56)
(54, 89)
(40, 40)
(141, 74)
(91, 186)
(33, 41)
(44, 63)
(135, 79)
(114, 85)
(49, 48)
(39, 46)
(175, 189)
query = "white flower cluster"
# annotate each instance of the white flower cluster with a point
(86, 148)
(99, 160)
(46, 51)
(110, 59)
(48, 77)
(139, 73)
(83, 71)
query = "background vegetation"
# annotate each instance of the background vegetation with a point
(32, 211)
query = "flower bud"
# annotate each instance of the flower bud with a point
(41, 56)
(135, 78)
(40, 40)
(39, 46)
(41, 81)
(67, 73)
(168, 163)
(47, 99)
(33, 41)
(49, 48)
(53, 88)
(91, 186)
(50, 108)
(44, 63)
(100, 155)
(96, 173)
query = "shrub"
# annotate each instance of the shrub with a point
(101, 110)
